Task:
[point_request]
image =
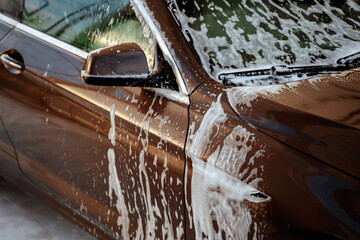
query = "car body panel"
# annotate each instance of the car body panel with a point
(4, 28)
(6, 146)
(305, 194)
(61, 131)
(318, 116)
(146, 163)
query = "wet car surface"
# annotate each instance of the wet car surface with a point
(114, 113)
(25, 217)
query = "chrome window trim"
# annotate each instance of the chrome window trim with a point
(8, 20)
(163, 46)
(52, 40)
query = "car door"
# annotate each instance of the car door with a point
(9, 16)
(115, 155)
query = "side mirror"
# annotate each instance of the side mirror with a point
(121, 65)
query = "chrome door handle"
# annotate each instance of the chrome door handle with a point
(12, 65)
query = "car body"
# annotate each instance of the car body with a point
(178, 155)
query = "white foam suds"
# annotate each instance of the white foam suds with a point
(152, 209)
(269, 38)
(115, 187)
(139, 191)
(234, 153)
(244, 96)
(218, 197)
(217, 194)
(114, 184)
(214, 116)
(112, 131)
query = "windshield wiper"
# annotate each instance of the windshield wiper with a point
(350, 59)
(282, 73)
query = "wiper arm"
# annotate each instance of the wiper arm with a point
(350, 59)
(281, 73)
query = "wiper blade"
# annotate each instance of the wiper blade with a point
(280, 74)
(350, 59)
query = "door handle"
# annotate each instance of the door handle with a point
(12, 65)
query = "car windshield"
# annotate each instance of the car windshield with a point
(241, 35)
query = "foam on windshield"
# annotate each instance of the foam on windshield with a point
(233, 35)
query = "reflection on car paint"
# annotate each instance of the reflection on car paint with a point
(147, 227)
(131, 131)
(114, 184)
(217, 194)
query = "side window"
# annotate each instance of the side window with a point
(11, 8)
(89, 24)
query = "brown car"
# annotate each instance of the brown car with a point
(181, 119)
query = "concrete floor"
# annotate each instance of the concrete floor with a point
(24, 217)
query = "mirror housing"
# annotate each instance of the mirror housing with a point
(120, 65)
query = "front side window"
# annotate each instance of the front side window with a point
(89, 24)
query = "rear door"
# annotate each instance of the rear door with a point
(131, 182)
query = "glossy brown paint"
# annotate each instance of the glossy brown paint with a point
(319, 117)
(201, 101)
(304, 183)
(60, 129)
(6, 147)
(60, 125)
(290, 179)
(306, 194)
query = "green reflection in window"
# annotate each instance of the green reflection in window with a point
(89, 24)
